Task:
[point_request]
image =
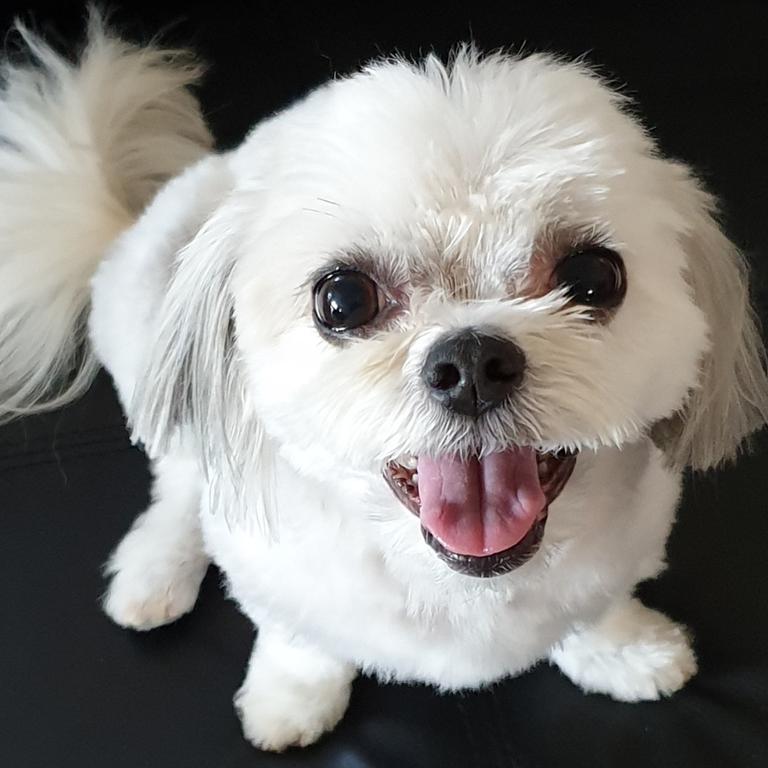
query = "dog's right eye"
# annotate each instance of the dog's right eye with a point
(345, 299)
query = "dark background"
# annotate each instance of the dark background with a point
(77, 691)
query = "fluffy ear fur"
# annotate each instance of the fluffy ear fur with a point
(731, 400)
(193, 385)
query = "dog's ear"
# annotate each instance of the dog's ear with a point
(731, 399)
(193, 385)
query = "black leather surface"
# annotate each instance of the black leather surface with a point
(75, 691)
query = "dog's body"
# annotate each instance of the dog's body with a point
(270, 436)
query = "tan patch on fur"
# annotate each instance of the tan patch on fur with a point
(451, 276)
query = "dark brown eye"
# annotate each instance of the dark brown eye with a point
(345, 299)
(593, 276)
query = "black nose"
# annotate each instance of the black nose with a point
(472, 372)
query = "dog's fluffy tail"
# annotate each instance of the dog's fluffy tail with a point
(83, 148)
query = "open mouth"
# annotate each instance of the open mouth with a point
(483, 516)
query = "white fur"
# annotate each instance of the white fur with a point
(632, 654)
(157, 568)
(292, 692)
(98, 138)
(447, 179)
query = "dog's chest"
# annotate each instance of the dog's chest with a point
(338, 593)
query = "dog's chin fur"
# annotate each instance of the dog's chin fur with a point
(457, 188)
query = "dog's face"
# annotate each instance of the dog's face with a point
(466, 277)
(455, 281)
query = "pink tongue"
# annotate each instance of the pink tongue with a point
(480, 507)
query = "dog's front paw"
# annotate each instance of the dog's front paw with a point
(154, 580)
(144, 601)
(277, 714)
(292, 693)
(632, 654)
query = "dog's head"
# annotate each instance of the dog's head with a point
(454, 280)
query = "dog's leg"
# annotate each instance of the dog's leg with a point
(292, 693)
(632, 654)
(157, 568)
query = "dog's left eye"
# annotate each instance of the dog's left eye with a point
(593, 276)
(345, 299)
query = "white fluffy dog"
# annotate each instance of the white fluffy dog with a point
(418, 365)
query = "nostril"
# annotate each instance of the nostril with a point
(500, 370)
(444, 376)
